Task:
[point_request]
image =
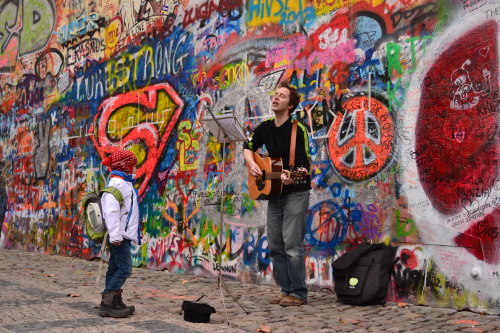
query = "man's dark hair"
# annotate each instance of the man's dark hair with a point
(294, 95)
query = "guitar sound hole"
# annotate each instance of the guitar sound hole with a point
(260, 184)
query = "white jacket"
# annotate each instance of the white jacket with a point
(116, 218)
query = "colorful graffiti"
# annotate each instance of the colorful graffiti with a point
(399, 98)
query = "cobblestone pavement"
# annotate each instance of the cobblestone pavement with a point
(44, 293)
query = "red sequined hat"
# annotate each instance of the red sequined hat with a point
(121, 160)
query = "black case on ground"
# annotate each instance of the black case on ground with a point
(362, 275)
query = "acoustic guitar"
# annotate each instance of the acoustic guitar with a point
(261, 188)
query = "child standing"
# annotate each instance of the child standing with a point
(123, 226)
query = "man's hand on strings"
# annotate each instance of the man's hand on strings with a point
(255, 170)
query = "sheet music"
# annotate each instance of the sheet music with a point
(229, 125)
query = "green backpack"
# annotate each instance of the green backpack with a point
(94, 223)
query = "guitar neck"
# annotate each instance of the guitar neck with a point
(272, 175)
(277, 175)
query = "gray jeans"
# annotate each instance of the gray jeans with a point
(286, 226)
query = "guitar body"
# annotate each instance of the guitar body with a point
(261, 188)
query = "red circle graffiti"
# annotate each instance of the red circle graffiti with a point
(457, 146)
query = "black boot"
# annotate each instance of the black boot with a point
(109, 306)
(130, 308)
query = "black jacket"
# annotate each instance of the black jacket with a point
(277, 143)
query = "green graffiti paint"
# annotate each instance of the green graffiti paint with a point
(392, 52)
(402, 226)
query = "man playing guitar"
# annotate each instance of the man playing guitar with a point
(286, 212)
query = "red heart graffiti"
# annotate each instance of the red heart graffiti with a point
(484, 51)
(184, 184)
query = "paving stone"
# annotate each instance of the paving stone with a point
(347, 328)
(396, 329)
(366, 323)
(281, 330)
(452, 328)
(44, 325)
(482, 319)
(420, 330)
(157, 326)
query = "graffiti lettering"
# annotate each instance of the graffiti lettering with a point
(188, 146)
(79, 27)
(260, 12)
(25, 27)
(205, 10)
(259, 252)
(82, 51)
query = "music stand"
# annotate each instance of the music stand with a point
(226, 129)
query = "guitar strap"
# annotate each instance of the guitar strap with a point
(293, 140)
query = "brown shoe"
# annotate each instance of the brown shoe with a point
(277, 299)
(292, 301)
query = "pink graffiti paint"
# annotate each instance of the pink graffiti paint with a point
(9, 56)
(456, 146)
(286, 51)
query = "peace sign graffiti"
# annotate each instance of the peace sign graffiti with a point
(326, 224)
(360, 142)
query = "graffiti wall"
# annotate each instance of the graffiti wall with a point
(400, 100)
